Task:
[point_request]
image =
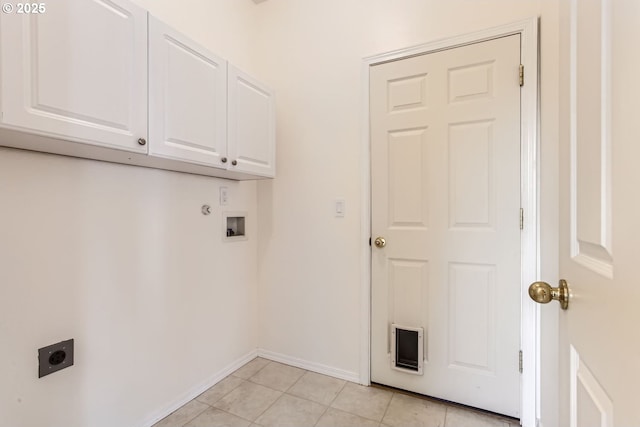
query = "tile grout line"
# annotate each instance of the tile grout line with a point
(243, 380)
(321, 415)
(270, 388)
(269, 407)
(227, 412)
(329, 404)
(387, 408)
(269, 362)
(196, 416)
(223, 396)
(446, 413)
(282, 392)
(298, 397)
(218, 409)
(308, 400)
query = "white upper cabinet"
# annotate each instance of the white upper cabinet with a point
(77, 72)
(187, 99)
(103, 79)
(252, 134)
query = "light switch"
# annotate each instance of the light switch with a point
(339, 208)
(224, 196)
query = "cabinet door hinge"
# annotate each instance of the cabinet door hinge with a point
(520, 361)
(521, 219)
(521, 74)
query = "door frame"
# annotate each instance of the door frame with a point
(529, 194)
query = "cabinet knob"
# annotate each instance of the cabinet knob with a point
(223, 160)
(142, 141)
(234, 162)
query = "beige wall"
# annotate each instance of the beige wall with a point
(226, 27)
(311, 54)
(122, 260)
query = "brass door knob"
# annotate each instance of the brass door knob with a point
(380, 242)
(543, 293)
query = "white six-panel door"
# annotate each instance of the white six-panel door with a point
(600, 208)
(77, 72)
(445, 141)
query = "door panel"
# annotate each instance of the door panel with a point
(408, 290)
(445, 141)
(408, 207)
(470, 175)
(599, 211)
(590, 92)
(471, 307)
(590, 405)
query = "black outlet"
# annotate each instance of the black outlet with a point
(55, 357)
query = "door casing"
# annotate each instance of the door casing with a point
(529, 191)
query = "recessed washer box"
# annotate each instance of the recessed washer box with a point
(234, 226)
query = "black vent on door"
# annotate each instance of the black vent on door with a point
(407, 349)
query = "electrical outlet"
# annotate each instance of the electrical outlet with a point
(55, 357)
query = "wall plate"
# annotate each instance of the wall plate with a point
(224, 196)
(55, 357)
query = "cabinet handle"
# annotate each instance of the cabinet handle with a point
(235, 162)
(142, 141)
(223, 160)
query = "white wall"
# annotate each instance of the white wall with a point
(311, 54)
(122, 260)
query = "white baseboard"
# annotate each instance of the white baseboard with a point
(200, 388)
(310, 366)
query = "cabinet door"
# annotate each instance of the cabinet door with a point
(78, 71)
(252, 134)
(187, 99)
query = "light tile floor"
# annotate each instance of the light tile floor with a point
(270, 394)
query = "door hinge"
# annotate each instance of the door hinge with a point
(520, 361)
(521, 75)
(521, 219)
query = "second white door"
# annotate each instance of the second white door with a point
(445, 141)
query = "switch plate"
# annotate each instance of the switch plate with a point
(224, 196)
(340, 208)
(55, 357)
